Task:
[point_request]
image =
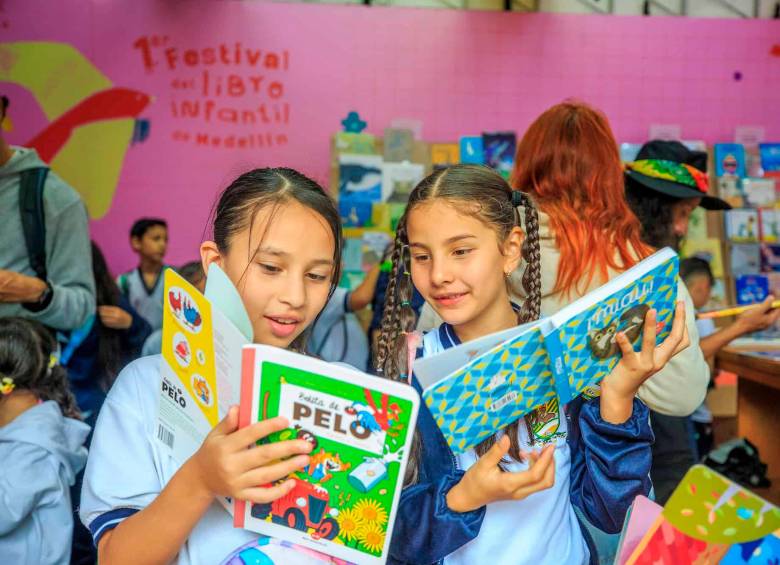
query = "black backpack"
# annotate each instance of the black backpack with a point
(32, 216)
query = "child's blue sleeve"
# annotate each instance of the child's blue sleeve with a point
(134, 336)
(22, 491)
(610, 464)
(426, 530)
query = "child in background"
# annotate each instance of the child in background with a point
(143, 286)
(502, 500)
(697, 276)
(141, 505)
(41, 447)
(107, 343)
(193, 273)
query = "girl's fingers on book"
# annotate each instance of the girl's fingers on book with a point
(270, 473)
(626, 349)
(496, 453)
(648, 337)
(251, 434)
(263, 495)
(536, 473)
(228, 424)
(264, 454)
(545, 481)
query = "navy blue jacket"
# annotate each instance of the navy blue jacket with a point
(610, 466)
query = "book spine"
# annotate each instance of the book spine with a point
(244, 417)
(560, 376)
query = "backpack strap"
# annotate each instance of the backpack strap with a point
(32, 215)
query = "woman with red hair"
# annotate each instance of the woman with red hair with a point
(568, 162)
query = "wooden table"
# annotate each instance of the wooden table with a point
(758, 402)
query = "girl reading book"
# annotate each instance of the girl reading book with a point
(140, 504)
(512, 498)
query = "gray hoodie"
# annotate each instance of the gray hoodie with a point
(41, 452)
(68, 254)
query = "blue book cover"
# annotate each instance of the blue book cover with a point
(770, 157)
(499, 149)
(471, 150)
(752, 288)
(360, 178)
(499, 379)
(581, 337)
(355, 213)
(477, 388)
(730, 160)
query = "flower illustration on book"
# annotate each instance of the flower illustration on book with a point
(349, 524)
(370, 511)
(372, 536)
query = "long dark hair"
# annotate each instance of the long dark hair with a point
(655, 213)
(485, 193)
(248, 194)
(109, 353)
(26, 357)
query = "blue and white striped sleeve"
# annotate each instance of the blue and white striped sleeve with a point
(122, 475)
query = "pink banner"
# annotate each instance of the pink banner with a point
(150, 108)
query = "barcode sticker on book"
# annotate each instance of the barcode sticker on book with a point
(165, 435)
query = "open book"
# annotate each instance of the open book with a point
(708, 519)
(482, 386)
(345, 501)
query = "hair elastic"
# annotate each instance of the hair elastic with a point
(7, 385)
(518, 198)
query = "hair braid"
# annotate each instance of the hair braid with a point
(532, 275)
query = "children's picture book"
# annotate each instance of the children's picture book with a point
(710, 519)
(751, 288)
(360, 178)
(730, 160)
(742, 225)
(361, 427)
(200, 381)
(471, 150)
(760, 192)
(730, 190)
(482, 386)
(355, 143)
(399, 179)
(581, 337)
(770, 258)
(398, 145)
(445, 154)
(709, 249)
(769, 221)
(499, 148)
(355, 213)
(478, 388)
(697, 224)
(745, 259)
(770, 159)
(641, 517)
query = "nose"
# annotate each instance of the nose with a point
(441, 273)
(293, 292)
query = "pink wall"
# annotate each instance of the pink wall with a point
(458, 72)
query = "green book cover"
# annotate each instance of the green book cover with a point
(344, 503)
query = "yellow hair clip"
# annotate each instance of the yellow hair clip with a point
(6, 385)
(53, 361)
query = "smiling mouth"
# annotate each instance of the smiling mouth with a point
(450, 298)
(283, 326)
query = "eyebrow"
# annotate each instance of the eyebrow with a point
(284, 254)
(448, 241)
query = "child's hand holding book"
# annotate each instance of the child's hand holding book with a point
(223, 466)
(619, 388)
(486, 482)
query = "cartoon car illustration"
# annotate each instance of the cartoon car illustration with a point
(306, 506)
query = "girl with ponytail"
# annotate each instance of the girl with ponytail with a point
(41, 446)
(514, 495)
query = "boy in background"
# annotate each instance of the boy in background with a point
(143, 286)
(697, 275)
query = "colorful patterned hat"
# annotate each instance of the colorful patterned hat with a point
(672, 169)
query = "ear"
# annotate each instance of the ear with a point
(135, 243)
(513, 249)
(209, 253)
